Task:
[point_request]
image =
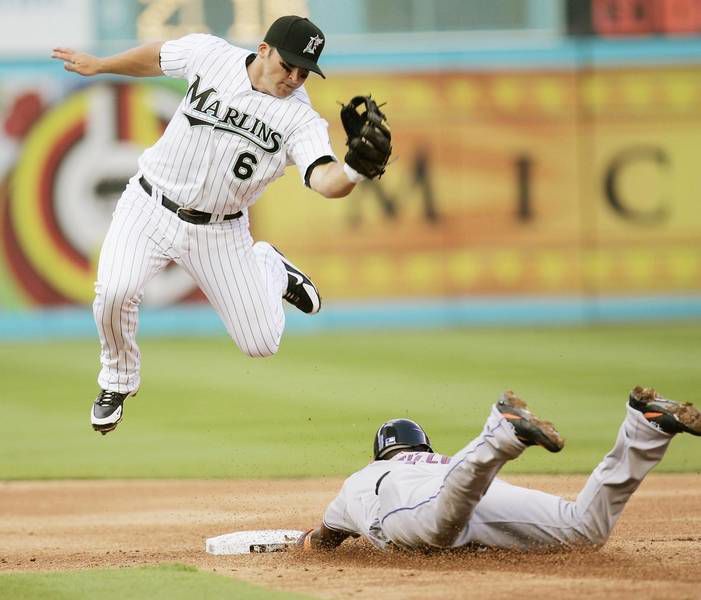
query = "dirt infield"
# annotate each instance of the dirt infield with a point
(655, 551)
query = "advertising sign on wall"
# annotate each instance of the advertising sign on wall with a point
(548, 182)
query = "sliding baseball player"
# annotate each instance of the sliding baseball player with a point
(244, 118)
(411, 497)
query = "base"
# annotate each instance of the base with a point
(247, 542)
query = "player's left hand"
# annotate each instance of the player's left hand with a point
(77, 62)
(369, 139)
(304, 540)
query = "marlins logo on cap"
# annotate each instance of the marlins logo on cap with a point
(298, 41)
(314, 41)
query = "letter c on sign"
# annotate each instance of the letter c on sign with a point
(618, 165)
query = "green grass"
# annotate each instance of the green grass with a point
(206, 410)
(166, 582)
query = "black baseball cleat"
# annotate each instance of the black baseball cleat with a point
(107, 411)
(667, 415)
(301, 291)
(529, 429)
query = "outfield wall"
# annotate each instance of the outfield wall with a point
(538, 181)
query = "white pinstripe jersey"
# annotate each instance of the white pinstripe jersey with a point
(227, 141)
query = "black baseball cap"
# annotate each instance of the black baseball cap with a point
(298, 41)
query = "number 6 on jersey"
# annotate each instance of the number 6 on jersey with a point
(244, 165)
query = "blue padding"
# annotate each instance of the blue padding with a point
(505, 52)
(200, 319)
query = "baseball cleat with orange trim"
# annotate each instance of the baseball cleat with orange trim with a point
(667, 415)
(529, 429)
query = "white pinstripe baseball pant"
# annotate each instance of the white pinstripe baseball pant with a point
(243, 282)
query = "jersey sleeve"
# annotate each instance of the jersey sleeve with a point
(336, 516)
(177, 55)
(308, 143)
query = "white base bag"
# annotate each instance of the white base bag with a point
(247, 542)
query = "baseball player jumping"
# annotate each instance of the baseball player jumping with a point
(410, 497)
(244, 118)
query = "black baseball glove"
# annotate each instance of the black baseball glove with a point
(369, 139)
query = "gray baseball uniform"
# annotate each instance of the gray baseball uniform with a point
(419, 499)
(224, 145)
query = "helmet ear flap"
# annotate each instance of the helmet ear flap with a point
(397, 434)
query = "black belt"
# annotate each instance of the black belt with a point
(197, 217)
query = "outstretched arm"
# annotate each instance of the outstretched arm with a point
(330, 180)
(142, 61)
(322, 538)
